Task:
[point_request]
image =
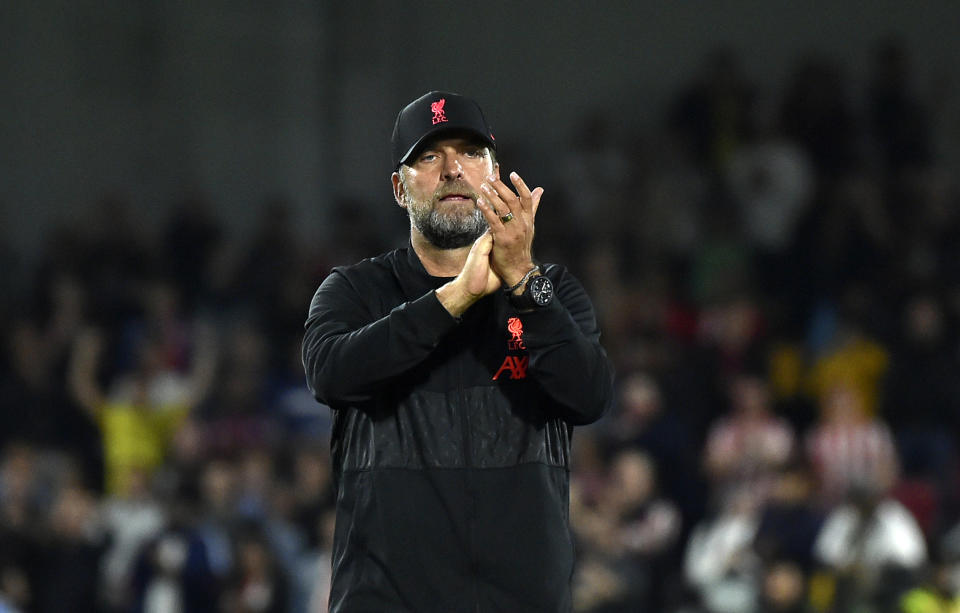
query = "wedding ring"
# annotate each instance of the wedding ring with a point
(507, 217)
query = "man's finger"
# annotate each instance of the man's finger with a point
(481, 247)
(523, 191)
(491, 214)
(506, 195)
(484, 244)
(499, 208)
(535, 198)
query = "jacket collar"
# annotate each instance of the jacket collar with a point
(418, 280)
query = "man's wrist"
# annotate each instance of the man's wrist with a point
(516, 284)
(454, 298)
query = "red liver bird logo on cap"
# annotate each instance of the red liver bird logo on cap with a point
(437, 109)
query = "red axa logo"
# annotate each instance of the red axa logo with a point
(437, 109)
(515, 365)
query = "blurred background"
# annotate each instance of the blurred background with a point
(762, 199)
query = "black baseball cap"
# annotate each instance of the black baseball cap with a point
(431, 114)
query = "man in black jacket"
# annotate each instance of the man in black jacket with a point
(455, 369)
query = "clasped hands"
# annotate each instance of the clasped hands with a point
(503, 254)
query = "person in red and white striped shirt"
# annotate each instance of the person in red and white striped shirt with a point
(846, 447)
(745, 448)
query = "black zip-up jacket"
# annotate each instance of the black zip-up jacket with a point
(451, 438)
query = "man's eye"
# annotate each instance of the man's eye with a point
(475, 153)
(427, 157)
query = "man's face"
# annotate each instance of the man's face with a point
(439, 188)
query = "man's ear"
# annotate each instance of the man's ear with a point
(397, 189)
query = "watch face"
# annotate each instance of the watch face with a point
(541, 290)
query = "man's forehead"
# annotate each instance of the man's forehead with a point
(453, 140)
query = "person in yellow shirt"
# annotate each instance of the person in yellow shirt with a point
(855, 360)
(141, 412)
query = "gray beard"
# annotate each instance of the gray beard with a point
(446, 231)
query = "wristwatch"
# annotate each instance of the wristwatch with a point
(537, 294)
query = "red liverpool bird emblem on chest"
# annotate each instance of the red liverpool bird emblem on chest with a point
(515, 328)
(513, 365)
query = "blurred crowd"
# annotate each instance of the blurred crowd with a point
(776, 275)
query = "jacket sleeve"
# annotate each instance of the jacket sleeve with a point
(566, 358)
(348, 351)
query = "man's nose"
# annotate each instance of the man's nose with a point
(452, 169)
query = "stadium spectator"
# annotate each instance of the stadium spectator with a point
(790, 520)
(922, 395)
(721, 563)
(869, 548)
(642, 422)
(258, 585)
(216, 516)
(784, 588)
(849, 358)
(172, 573)
(128, 521)
(629, 536)
(311, 512)
(847, 447)
(140, 412)
(745, 448)
(237, 416)
(646, 526)
(70, 552)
